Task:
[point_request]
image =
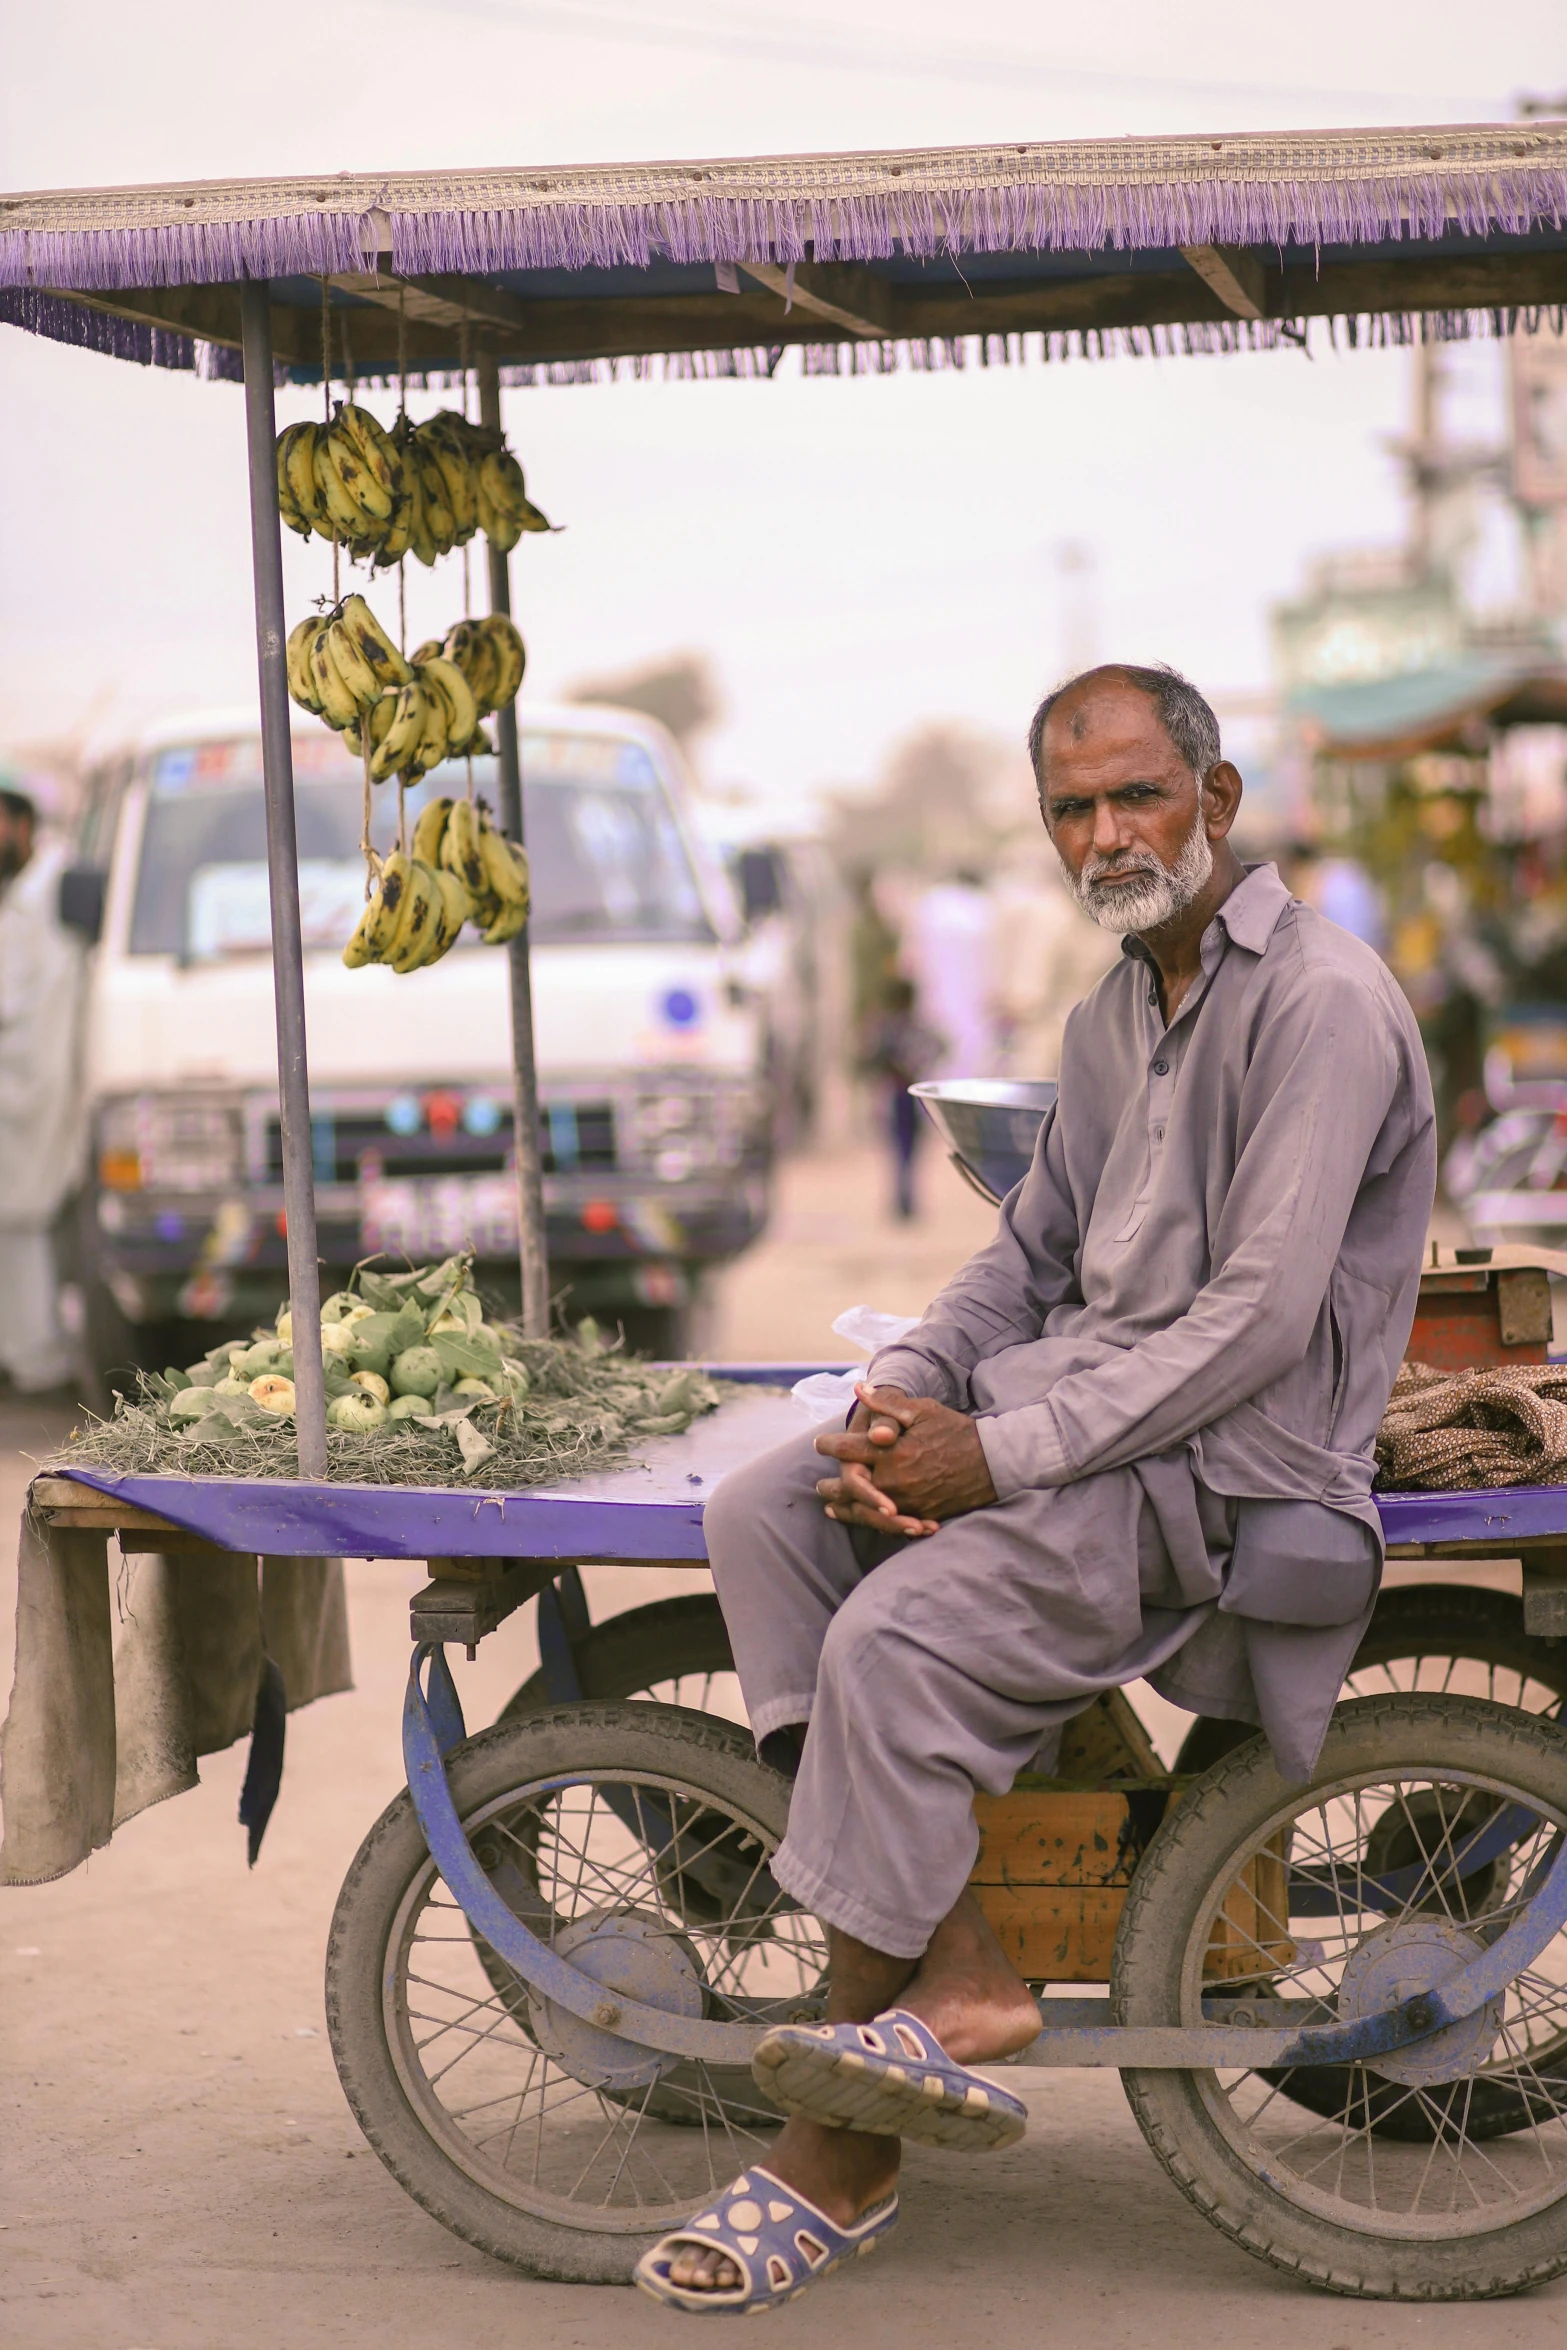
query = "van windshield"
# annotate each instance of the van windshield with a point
(607, 856)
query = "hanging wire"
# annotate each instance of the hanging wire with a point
(408, 457)
(467, 590)
(326, 400)
(372, 861)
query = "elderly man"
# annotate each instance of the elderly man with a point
(1133, 1437)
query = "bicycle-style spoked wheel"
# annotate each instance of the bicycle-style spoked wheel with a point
(635, 1841)
(1430, 1824)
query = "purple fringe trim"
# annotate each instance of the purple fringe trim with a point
(1310, 188)
(123, 338)
(118, 338)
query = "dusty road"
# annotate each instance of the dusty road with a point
(178, 2170)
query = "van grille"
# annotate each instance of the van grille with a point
(577, 1137)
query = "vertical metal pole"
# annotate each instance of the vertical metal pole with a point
(533, 1260)
(288, 966)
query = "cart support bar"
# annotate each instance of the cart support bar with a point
(533, 1263)
(1073, 2034)
(288, 969)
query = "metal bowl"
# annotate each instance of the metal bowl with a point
(989, 1125)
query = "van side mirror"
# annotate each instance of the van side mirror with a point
(83, 889)
(761, 884)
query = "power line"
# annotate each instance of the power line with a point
(896, 55)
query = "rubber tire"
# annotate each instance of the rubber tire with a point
(711, 1755)
(1194, 1849)
(630, 1653)
(1429, 1619)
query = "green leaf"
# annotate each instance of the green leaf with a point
(464, 1358)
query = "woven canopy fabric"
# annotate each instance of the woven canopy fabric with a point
(1290, 188)
(1204, 242)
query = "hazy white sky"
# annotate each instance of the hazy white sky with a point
(855, 555)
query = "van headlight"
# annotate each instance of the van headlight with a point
(164, 1142)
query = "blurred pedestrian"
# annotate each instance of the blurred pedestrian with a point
(873, 962)
(951, 958)
(42, 1110)
(900, 1050)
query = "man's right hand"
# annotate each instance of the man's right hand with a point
(853, 1499)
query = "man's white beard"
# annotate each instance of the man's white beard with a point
(1148, 904)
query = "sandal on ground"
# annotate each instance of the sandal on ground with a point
(779, 2241)
(891, 2077)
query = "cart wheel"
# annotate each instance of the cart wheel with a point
(1253, 1885)
(676, 1650)
(1428, 1636)
(502, 2124)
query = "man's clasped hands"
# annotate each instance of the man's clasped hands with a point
(905, 1464)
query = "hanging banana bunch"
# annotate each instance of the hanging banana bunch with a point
(418, 490)
(456, 869)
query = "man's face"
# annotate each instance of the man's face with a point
(1123, 809)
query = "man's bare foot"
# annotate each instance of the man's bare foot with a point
(843, 2172)
(968, 1991)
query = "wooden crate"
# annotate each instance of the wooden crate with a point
(1055, 1863)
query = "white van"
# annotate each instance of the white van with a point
(656, 1116)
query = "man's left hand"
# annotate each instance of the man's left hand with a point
(934, 1469)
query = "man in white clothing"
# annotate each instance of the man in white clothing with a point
(42, 1113)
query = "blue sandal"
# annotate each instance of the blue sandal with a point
(892, 2077)
(778, 2241)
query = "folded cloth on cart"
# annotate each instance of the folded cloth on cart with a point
(1454, 1432)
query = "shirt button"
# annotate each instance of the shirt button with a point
(1161, 1068)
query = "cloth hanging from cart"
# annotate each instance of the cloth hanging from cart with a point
(101, 1728)
(1457, 1431)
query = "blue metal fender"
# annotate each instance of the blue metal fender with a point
(1265, 2045)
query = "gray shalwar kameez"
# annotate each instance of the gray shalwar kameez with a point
(1177, 1349)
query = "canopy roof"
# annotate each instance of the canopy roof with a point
(1452, 706)
(1191, 243)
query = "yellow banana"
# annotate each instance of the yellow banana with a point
(506, 881)
(352, 667)
(369, 497)
(378, 924)
(445, 438)
(342, 515)
(403, 733)
(339, 706)
(296, 660)
(428, 830)
(462, 711)
(440, 522)
(476, 656)
(296, 517)
(503, 495)
(430, 650)
(432, 743)
(451, 912)
(375, 447)
(460, 850)
(459, 905)
(297, 454)
(375, 646)
(377, 719)
(511, 658)
(506, 925)
(412, 942)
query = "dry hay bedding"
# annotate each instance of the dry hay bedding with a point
(559, 1406)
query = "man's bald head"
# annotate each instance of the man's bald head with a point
(1185, 717)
